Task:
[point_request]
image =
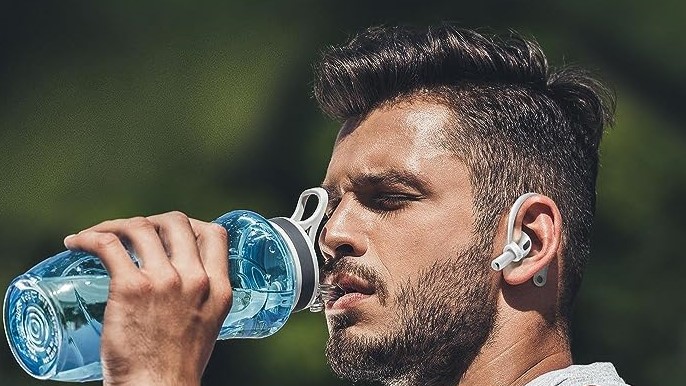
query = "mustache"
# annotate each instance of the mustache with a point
(335, 267)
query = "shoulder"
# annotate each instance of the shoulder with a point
(597, 374)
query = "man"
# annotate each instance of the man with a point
(443, 130)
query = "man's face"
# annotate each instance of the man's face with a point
(399, 242)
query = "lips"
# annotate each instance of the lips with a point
(351, 284)
(354, 289)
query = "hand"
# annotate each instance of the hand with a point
(162, 320)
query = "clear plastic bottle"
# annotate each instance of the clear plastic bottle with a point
(53, 313)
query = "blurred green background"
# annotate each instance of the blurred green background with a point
(113, 109)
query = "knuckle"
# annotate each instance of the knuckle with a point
(138, 285)
(105, 241)
(171, 280)
(218, 231)
(176, 216)
(200, 283)
(225, 295)
(140, 223)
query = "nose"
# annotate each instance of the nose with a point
(344, 233)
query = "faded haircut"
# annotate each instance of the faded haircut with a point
(518, 125)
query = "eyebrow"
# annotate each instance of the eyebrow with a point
(381, 179)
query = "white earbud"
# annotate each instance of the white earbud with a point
(516, 251)
(512, 253)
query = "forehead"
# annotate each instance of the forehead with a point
(403, 137)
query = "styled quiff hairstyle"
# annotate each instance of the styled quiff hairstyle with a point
(518, 125)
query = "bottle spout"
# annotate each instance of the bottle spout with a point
(327, 293)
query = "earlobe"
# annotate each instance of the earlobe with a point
(540, 218)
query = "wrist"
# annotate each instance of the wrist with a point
(154, 380)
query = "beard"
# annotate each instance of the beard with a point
(444, 319)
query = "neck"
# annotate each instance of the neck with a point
(517, 358)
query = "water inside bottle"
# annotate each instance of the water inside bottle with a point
(54, 313)
(38, 332)
(262, 302)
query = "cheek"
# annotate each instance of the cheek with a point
(415, 244)
(404, 254)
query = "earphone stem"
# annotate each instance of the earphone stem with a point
(503, 260)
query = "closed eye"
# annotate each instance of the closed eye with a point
(387, 202)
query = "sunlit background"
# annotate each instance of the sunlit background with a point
(116, 108)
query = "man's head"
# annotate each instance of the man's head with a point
(443, 130)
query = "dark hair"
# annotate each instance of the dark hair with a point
(519, 126)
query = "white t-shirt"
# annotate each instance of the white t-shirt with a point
(597, 374)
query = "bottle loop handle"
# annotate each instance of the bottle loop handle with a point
(312, 223)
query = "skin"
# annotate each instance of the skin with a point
(162, 320)
(439, 216)
(398, 203)
(365, 219)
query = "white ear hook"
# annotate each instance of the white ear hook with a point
(311, 224)
(516, 251)
(541, 276)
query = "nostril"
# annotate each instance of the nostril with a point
(327, 261)
(344, 250)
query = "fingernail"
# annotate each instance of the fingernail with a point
(66, 239)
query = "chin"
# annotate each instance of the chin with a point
(357, 324)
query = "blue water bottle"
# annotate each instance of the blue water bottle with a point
(53, 313)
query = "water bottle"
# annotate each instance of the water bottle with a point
(53, 313)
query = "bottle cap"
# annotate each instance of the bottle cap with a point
(301, 235)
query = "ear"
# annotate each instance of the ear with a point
(540, 218)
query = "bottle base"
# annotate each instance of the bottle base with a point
(32, 328)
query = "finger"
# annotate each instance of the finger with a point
(179, 240)
(213, 246)
(141, 236)
(108, 248)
